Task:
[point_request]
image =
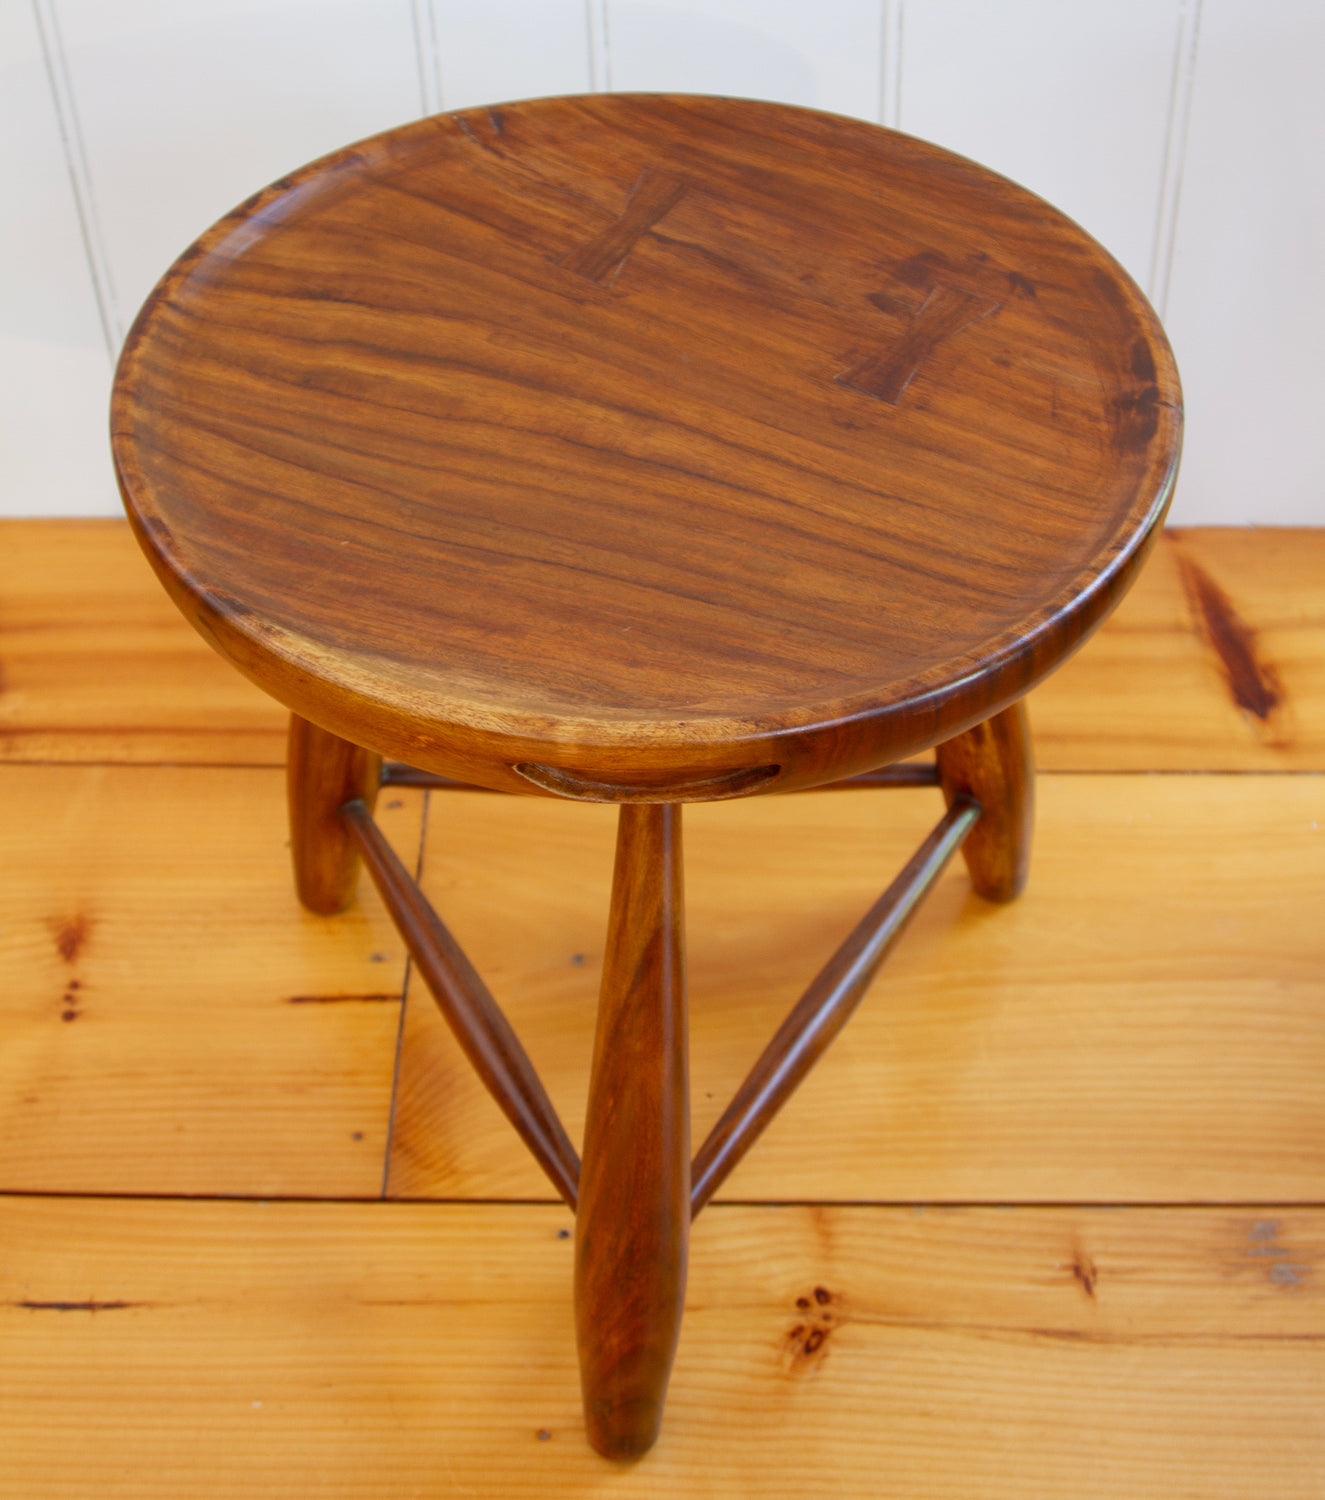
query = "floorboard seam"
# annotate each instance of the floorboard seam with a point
(916, 1205)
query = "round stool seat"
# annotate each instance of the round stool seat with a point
(645, 446)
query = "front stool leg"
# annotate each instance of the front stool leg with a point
(633, 1222)
(323, 773)
(992, 763)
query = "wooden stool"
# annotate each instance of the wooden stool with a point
(646, 450)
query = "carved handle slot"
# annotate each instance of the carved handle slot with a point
(703, 789)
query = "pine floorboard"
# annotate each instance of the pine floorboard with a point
(1212, 663)
(230, 1349)
(171, 1020)
(98, 665)
(1146, 1024)
(1054, 1203)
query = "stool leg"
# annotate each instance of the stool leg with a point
(633, 1222)
(993, 764)
(323, 772)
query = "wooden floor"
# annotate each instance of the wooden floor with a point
(1049, 1220)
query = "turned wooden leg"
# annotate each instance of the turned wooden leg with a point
(993, 764)
(323, 772)
(632, 1226)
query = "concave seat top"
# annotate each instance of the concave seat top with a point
(646, 436)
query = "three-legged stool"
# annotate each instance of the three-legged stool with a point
(646, 450)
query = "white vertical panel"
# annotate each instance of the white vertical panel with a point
(54, 366)
(1180, 113)
(424, 15)
(823, 53)
(890, 64)
(1247, 300)
(188, 106)
(600, 67)
(1068, 98)
(510, 49)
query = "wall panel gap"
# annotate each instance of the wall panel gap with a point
(1185, 48)
(600, 55)
(80, 176)
(424, 16)
(890, 63)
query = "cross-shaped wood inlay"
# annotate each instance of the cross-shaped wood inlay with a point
(654, 195)
(886, 373)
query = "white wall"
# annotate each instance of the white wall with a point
(1187, 135)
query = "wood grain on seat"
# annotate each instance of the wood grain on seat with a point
(646, 439)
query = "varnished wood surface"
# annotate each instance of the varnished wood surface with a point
(632, 1227)
(994, 763)
(476, 1021)
(337, 1350)
(99, 666)
(1144, 1024)
(1217, 662)
(171, 1019)
(1147, 1022)
(667, 440)
(322, 773)
(817, 1018)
